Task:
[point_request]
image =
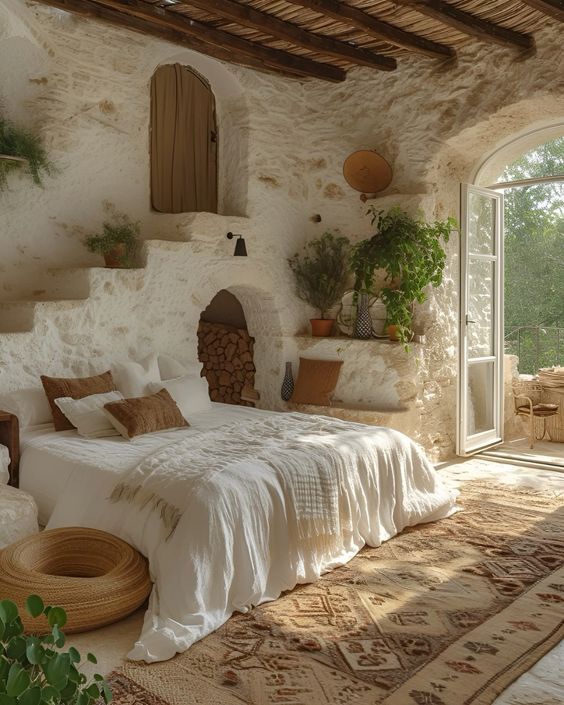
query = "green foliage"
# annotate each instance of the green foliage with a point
(409, 250)
(18, 142)
(322, 271)
(534, 257)
(121, 231)
(34, 670)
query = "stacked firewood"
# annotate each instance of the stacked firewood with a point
(226, 354)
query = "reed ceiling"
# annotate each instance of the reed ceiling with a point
(326, 38)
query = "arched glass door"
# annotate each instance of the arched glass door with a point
(480, 392)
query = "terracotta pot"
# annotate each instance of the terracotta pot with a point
(321, 327)
(392, 332)
(115, 257)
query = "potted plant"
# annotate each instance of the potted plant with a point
(321, 272)
(20, 148)
(34, 670)
(117, 242)
(410, 252)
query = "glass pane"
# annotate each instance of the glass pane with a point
(480, 412)
(481, 224)
(481, 284)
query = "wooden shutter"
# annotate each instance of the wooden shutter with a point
(183, 142)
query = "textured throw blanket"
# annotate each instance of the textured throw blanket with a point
(300, 449)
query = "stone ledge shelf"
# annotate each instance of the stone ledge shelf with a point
(378, 383)
(404, 420)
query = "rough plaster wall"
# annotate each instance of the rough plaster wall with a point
(85, 86)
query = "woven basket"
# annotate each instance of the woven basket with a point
(97, 578)
(555, 424)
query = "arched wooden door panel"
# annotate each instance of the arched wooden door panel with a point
(183, 142)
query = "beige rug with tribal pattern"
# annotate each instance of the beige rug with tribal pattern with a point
(444, 614)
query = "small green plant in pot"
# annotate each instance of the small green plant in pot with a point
(34, 670)
(410, 252)
(322, 271)
(21, 149)
(118, 242)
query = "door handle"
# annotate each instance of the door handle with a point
(469, 320)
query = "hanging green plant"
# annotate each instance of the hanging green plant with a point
(21, 149)
(410, 252)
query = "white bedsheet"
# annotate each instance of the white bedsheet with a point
(235, 550)
(45, 468)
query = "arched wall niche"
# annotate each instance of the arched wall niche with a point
(264, 325)
(232, 120)
(267, 317)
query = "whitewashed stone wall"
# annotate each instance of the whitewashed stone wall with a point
(85, 87)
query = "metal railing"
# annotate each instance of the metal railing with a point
(535, 346)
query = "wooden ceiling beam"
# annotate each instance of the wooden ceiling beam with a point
(269, 24)
(470, 24)
(144, 18)
(553, 8)
(374, 27)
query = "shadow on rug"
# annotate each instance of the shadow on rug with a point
(444, 614)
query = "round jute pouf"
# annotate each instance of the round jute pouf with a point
(94, 576)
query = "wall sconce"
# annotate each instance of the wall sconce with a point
(240, 247)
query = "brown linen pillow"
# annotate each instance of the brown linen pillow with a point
(75, 388)
(316, 381)
(134, 417)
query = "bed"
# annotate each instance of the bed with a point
(234, 510)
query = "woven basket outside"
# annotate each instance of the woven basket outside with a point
(96, 577)
(555, 424)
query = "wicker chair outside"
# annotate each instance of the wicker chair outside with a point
(527, 397)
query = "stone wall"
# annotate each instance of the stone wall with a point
(226, 354)
(85, 87)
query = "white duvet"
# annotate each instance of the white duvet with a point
(238, 535)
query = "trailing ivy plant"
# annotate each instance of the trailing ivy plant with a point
(34, 670)
(18, 142)
(410, 252)
(122, 231)
(322, 271)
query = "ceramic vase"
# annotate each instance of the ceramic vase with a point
(363, 320)
(288, 383)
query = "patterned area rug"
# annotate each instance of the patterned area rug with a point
(444, 614)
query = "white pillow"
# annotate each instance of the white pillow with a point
(87, 414)
(133, 378)
(170, 368)
(29, 405)
(189, 392)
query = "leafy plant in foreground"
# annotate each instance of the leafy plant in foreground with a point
(34, 670)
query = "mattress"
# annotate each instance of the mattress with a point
(46, 471)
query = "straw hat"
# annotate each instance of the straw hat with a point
(367, 171)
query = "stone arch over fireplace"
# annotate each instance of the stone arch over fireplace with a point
(251, 326)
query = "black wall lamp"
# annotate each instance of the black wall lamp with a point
(240, 247)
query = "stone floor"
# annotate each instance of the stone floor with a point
(542, 685)
(542, 452)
